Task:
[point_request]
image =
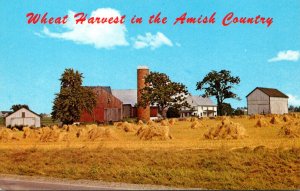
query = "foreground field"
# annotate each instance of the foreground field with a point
(260, 168)
(263, 158)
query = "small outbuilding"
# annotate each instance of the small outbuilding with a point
(267, 101)
(23, 117)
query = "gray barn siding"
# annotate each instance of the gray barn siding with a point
(279, 105)
(258, 102)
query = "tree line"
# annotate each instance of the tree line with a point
(73, 98)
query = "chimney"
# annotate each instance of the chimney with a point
(142, 113)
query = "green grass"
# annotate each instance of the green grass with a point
(258, 168)
(47, 121)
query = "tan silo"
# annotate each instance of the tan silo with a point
(142, 113)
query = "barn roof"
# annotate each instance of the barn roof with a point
(126, 96)
(106, 88)
(199, 101)
(271, 92)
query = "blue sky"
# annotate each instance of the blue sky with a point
(32, 57)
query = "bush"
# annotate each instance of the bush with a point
(19, 127)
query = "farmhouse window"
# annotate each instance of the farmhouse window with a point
(23, 114)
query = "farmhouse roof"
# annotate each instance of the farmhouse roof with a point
(271, 92)
(199, 101)
(128, 96)
(25, 109)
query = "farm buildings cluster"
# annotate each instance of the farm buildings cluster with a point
(116, 105)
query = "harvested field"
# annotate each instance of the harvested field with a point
(172, 121)
(244, 168)
(154, 133)
(231, 150)
(291, 130)
(262, 123)
(186, 134)
(164, 123)
(275, 120)
(286, 118)
(127, 127)
(227, 130)
(196, 124)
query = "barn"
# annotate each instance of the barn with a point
(108, 108)
(129, 99)
(267, 100)
(23, 117)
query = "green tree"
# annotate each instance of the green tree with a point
(16, 107)
(227, 109)
(239, 111)
(219, 84)
(173, 112)
(73, 98)
(164, 93)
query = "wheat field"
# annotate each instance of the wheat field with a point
(187, 134)
(203, 153)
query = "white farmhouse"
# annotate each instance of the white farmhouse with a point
(199, 107)
(23, 117)
(267, 100)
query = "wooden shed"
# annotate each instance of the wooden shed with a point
(23, 117)
(267, 100)
(108, 108)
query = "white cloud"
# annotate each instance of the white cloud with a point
(178, 44)
(152, 41)
(39, 35)
(289, 55)
(294, 100)
(98, 35)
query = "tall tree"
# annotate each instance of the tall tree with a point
(164, 93)
(219, 84)
(16, 107)
(72, 99)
